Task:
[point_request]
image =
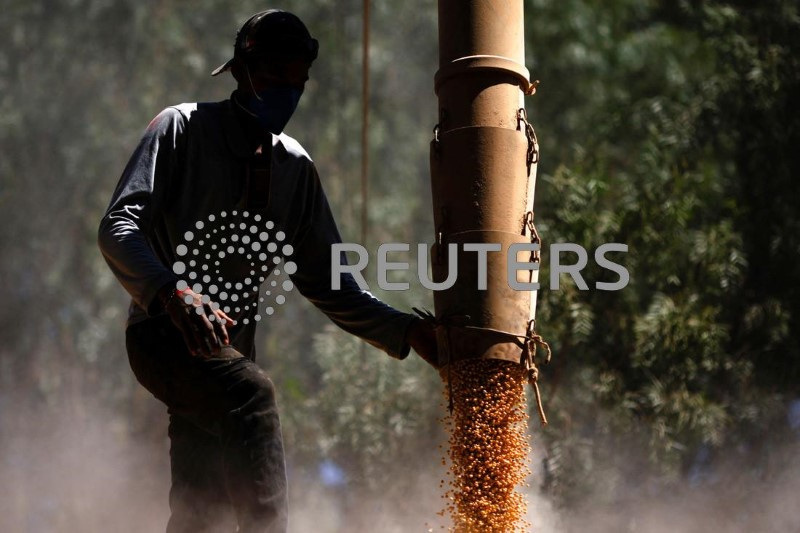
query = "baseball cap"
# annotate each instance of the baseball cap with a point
(272, 34)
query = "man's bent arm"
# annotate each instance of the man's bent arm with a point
(351, 308)
(124, 231)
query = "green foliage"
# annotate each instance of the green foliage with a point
(686, 152)
(370, 414)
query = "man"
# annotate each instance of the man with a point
(181, 234)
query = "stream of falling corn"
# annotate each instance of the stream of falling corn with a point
(489, 447)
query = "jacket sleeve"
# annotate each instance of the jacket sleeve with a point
(125, 231)
(354, 310)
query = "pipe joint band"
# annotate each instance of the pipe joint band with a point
(483, 63)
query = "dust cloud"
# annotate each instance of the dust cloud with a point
(88, 474)
(730, 495)
(81, 473)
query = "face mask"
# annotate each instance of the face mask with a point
(274, 106)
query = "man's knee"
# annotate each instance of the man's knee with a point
(254, 404)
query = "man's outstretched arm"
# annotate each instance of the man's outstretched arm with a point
(355, 310)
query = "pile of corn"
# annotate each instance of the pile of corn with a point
(488, 446)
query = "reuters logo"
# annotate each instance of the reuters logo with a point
(256, 248)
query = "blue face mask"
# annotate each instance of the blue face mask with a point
(274, 106)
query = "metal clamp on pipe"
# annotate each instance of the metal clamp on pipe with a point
(482, 64)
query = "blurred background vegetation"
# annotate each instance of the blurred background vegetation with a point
(672, 127)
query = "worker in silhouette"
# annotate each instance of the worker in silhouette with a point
(215, 202)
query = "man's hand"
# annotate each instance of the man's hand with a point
(421, 336)
(203, 327)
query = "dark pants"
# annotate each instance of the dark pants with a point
(226, 449)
